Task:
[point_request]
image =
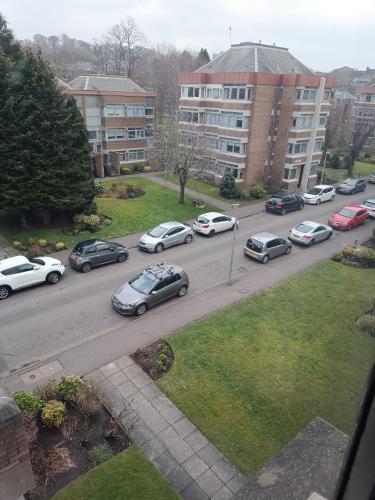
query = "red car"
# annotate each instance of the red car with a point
(348, 217)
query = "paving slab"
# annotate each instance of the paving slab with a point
(196, 440)
(223, 494)
(209, 454)
(193, 492)
(165, 462)
(195, 466)
(181, 451)
(118, 378)
(210, 483)
(153, 448)
(184, 427)
(178, 478)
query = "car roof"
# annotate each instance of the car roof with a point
(211, 215)
(170, 224)
(371, 200)
(88, 243)
(355, 208)
(310, 223)
(264, 237)
(281, 194)
(13, 262)
(322, 186)
(163, 267)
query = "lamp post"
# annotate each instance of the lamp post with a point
(235, 205)
(324, 168)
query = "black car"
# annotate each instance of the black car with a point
(283, 202)
(351, 186)
(93, 253)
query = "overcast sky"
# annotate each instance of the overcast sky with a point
(323, 34)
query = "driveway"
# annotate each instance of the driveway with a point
(74, 322)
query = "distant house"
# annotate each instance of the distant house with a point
(119, 116)
(341, 118)
(364, 111)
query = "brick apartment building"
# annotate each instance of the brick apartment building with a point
(261, 113)
(119, 116)
(364, 110)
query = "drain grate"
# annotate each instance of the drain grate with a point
(242, 269)
(244, 290)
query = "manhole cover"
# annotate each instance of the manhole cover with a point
(244, 290)
(242, 269)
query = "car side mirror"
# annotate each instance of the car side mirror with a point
(36, 268)
(166, 236)
(153, 292)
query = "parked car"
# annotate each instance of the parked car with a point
(370, 206)
(283, 202)
(21, 272)
(309, 233)
(348, 217)
(265, 246)
(371, 178)
(351, 186)
(318, 194)
(214, 222)
(155, 284)
(165, 235)
(93, 253)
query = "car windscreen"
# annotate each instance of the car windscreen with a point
(78, 249)
(314, 191)
(349, 182)
(142, 283)
(369, 203)
(346, 213)
(157, 232)
(304, 228)
(202, 220)
(254, 245)
(275, 199)
(39, 262)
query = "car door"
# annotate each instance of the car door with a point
(360, 217)
(158, 293)
(319, 233)
(227, 222)
(271, 248)
(179, 235)
(27, 275)
(326, 194)
(279, 247)
(217, 224)
(169, 238)
(92, 256)
(105, 253)
(289, 203)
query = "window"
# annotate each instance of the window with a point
(103, 248)
(314, 169)
(149, 111)
(10, 271)
(189, 115)
(90, 250)
(136, 133)
(115, 134)
(240, 93)
(149, 102)
(192, 92)
(368, 98)
(234, 120)
(92, 134)
(303, 122)
(214, 93)
(121, 155)
(136, 155)
(318, 145)
(227, 168)
(211, 142)
(92, 101)
(297, 148)
(306, 94)
(114, 110)
(135, 110)
(231, 146)
(290, 173)
(213, 118)
(327, 95)
(322, 120)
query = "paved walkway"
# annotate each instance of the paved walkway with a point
(6, 249)
(192, 465)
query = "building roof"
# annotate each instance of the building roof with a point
(105, 84)
(257, 58)
(61, 83)
(344, 94)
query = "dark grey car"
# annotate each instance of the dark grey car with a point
(93, 253)
(155, 284)
(351, 186)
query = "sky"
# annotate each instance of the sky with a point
(323, 34)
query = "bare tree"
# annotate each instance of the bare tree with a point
(364, 128)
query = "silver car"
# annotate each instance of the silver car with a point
(165, 235)
(155, 284)
(308, 233)
(265, 246)
(370, 207)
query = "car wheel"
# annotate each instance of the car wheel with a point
(332, 197)
(364, 188)
(352, 192)
(283, 211)
(188, 239)
(330, 235)
(141, 309)
(159, 248)
(5, 291)
(265, 259)
(182, 291)
(53, 278)
(211, 233)
(122, 257)
(288, 250)
(86, 267)
(312, 242)
(318, 201)
(365, 221)
(301, 206)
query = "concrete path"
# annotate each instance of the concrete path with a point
(6, 248)
(192, 465)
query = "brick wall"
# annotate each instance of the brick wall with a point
(16, 477)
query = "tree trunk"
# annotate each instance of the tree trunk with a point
(182, 193)
(22, 220)
(351, 161)
(45, 217)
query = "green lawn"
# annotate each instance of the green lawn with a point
(129, 475)
(207, 189)
(129, 216)
(252, 376)
(360, 168)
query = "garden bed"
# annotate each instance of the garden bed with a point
(155, 359)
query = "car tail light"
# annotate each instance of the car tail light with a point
(205, 226)
(306, 238)
(279, 203)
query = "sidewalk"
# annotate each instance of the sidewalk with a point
(6, 249)
(192, 465)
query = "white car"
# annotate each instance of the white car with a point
(370, 207)
(318, 194)
(21, 272)
(213, 222)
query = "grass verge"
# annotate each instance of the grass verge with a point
(360, 169)
(255, 374)
(128, 475)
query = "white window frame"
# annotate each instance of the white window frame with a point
(139, 133)
(288, 171)
(300, 146)
(112, 134)
(314, 169)
(134, 110)
(114, 110)
(140, 154)
(190, 92)
(318, 144)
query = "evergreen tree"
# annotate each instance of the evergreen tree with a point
(228, 187)
(44, 150)
(202, 58)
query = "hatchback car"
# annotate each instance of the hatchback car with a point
(319, 194)
(155, 284)
(283, 202)
(93, 253)
(21, 272)
(308, 233)
(165, 235)
(371, 178)
(351, 186)
(348, 217)
(265, 246)
(214, 222)
(369, 205)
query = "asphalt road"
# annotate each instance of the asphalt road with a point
(75, 323)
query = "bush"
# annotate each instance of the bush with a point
(86, 222)
(257, 191)
(147, 169)
(27, 402)
(86, 400)
(163, 358)
(69, 387)
(348, 252)
(99, 188)
(138, 167)
(42, 243)
(337, 257)
(53, 413)
(47, 391)
(30, 242)
(59, 246)
(367, 257)
(100, 453)
(158, 365)
(17, 244)
(367, 324)
(228, 187)
(125, 171)
(114, 185)
(35, 251)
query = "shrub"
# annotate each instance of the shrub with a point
(337, 257)
(27, 402)
(86, 402)
(31, 430)
(99, 188)
(125, 171)
(86, 222)
(47, 391)
(17, 244)
(158, 365)
(69, 386)
(53, 413)
(147, 169)
(367, 257)
(42, 243)
(59, 246)
(138, 167)
(257, 191)
(228, 187)
(348, 252)
(163, 358)
(35, 251)
(30, 242)
(367, 324)
(100, 453)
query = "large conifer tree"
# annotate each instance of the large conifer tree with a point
(44, 150)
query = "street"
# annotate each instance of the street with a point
(75, 323)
